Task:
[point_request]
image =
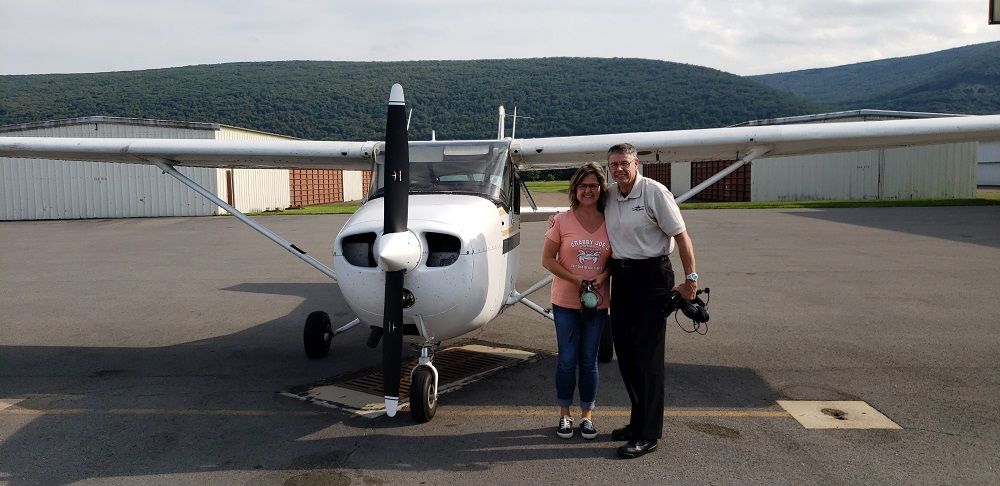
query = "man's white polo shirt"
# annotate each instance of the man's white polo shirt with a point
(642, 224)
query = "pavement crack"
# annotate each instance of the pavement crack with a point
(940, 432)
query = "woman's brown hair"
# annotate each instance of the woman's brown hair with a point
(574, 182)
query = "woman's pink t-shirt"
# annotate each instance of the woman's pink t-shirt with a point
(582, 253)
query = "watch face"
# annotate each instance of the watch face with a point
(693, 277)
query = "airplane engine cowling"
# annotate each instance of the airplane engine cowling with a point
(451, 281)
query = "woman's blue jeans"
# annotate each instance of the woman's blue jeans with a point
(579, 340)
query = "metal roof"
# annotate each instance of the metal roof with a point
(86, 120)
(864, 115)
(16, 127)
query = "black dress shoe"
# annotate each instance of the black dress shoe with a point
(636, 448)
(624, 433)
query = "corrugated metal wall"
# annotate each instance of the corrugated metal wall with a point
(931, 171)
(57, 189)
(680, 178)
(354, 184)
(259, 190)
(850, 175)
(50, 189)
(53, 189)
(988, 169)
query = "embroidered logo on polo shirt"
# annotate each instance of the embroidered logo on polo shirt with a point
(637, 208)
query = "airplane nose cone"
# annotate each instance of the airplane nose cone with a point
(397, 251)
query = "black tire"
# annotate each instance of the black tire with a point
(317, 335)
(423, 403)
(607, 349)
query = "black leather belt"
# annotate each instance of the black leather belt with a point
(625, 263)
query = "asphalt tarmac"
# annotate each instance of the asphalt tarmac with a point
(152, 351)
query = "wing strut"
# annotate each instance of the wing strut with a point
(165, 166)
(754, 152)
(524, 190)
(522, 297)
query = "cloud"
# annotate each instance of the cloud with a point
(742, 37)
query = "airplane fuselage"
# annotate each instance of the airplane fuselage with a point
(466, 221)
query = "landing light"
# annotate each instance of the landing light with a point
(408, 299)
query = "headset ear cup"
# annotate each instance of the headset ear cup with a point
(695, 310)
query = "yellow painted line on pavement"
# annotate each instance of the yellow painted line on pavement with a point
(158, 411)
(457, 411)
(602, 411)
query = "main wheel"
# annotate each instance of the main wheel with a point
(423, 403)
(317, 335)
(607, 349)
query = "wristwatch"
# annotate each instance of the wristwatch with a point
(693, 277)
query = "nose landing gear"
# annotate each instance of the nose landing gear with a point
(423, 388)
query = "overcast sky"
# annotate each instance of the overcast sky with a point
(740, 37)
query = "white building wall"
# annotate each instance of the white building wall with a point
(930, 171)
(988, 168)
(850, 175)
(235, 133)
(53, 189)
(257, 190)
(680, 178)
(353, 187)
(57, 189)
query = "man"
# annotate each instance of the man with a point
(643, 223)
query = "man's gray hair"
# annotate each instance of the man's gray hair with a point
(626, 149)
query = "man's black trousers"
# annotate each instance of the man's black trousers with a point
(639, 291)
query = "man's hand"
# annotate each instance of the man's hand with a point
(688, 290)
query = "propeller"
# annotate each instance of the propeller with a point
(394, 249)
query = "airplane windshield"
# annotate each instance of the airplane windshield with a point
(475, 168)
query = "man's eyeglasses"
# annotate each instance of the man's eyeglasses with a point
(592, 187)
(620, 165)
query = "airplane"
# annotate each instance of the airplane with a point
(432, 254)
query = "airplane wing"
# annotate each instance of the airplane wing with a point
(734, 143)
(729, 143)
(277, 154)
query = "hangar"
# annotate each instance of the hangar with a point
(945, 171)
(33, 189)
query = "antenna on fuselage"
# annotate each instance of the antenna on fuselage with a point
(513, 126)
(500, 124)
(433, 136)
(408, 120)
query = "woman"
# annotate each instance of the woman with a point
(576, 251)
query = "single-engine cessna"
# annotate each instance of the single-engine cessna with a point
(433, 253)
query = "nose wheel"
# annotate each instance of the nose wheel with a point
(424, 388)
(423, 395)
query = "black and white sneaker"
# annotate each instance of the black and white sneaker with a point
(565, 429)
(587, 430)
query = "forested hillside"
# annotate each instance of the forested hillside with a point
(961, 80)
(458, 99)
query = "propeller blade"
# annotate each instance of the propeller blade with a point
(397, 188)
